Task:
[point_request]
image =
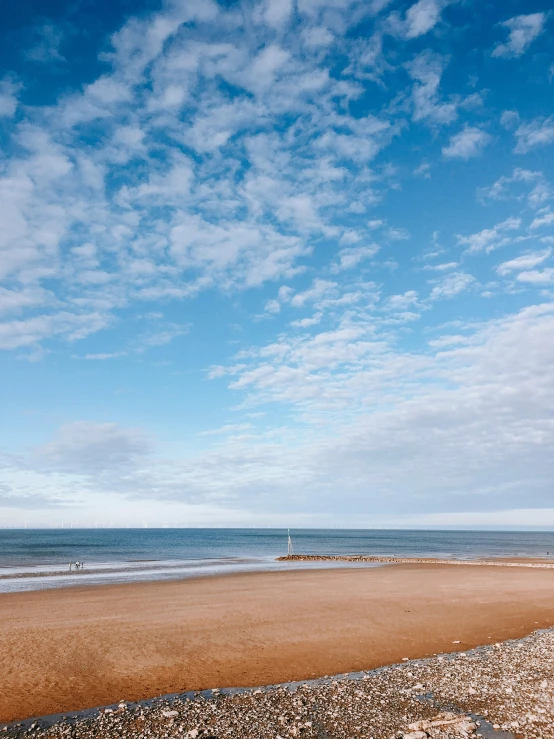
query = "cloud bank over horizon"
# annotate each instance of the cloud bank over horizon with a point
(277, 262)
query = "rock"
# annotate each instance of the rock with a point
(169, 714)
(444, 720)
(457, 642)
(415, 735)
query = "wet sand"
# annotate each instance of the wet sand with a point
(69, 649)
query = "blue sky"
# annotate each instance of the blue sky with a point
(285, 262)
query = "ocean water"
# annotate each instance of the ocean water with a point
(36, 559)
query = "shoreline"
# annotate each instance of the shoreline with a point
(165, 570)
(70, 649)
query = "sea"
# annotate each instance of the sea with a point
(33, 559)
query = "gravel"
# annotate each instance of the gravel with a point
(503, 690)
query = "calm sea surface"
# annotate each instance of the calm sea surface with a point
(35, 559)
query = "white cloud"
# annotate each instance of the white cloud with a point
(367, 58)
(93, 448)
(320, 288)
(420, 18)
(537, 277)
(397, 234)
(99, 197)
(539, 132)
(229, 428)
(469, 142)
(307, 322)
(523, 262)
(424, 170)
(443, 267)
(376, 6)
(47, 47)
(317, 36)
(351, 257)
(102, 356)
(523, 30)
(483, 448)
(426, 69)
(29, 332)
(389, 408)
(272, 306)
(406, 300)
(8, 98)
(537, 188)
(285, 293)
(452, 285)
(491, 238)
(160, 337)
(509, 119)
(15, 301)
(543, 219)
(277, 12)
(375, 223)
(221, 150)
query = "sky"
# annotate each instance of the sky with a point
(277, 263)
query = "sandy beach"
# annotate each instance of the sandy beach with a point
(502, 691)
(70, 649)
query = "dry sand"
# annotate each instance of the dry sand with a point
(68, 649)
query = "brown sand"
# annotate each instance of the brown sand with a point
(68, 649)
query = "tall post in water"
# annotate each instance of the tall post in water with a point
(289, 545)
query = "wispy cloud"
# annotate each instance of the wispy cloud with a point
(491, 238)
(523, 262)
(527, 183)
(288, 180)
(537, 277)
(452, 285)
(420, 18)
(8, 98)
(539, 132)
(523, 30)
(469, 142)
(47, 46)
(426, 70)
